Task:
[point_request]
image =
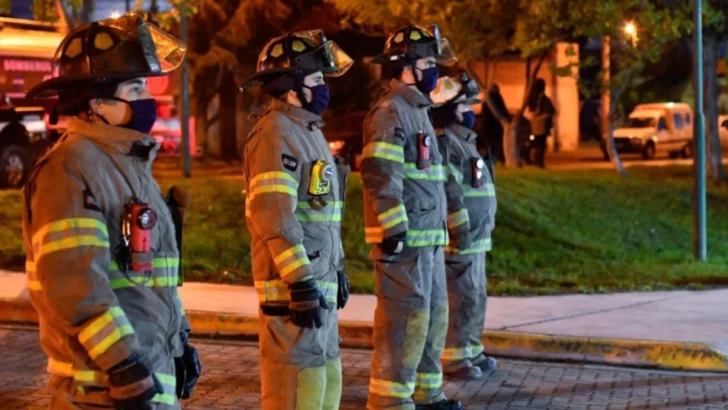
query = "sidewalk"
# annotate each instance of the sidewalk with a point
(674, 330)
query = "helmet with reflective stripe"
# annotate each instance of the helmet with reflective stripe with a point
(287, 59)
(409, 44)
(110, 51)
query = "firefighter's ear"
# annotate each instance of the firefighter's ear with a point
(95, 105)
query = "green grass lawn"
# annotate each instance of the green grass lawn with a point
(556, 232)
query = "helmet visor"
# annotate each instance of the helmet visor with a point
(470, 89)
(438, 47)
(328, 57)
(445, 55)
(163, 52)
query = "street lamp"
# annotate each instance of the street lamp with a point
(630, 29)
(115, 15)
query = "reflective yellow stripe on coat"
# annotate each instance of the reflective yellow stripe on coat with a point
(68, 234)
(95, 378)
(104, 331)
(276, 290)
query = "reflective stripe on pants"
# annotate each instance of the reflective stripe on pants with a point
(300, 369)
(410, 324)
(67, 394)
(466, 287)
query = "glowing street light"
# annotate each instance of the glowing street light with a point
(115, 15)
(630, 28)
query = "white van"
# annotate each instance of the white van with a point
(657, 128)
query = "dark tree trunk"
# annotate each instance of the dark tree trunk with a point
(714, 152)
(228, 128)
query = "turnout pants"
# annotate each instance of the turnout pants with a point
(466, 291)
(66, 394)
(300, 369)
(410, 323)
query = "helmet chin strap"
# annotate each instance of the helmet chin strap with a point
(414, 68)
(298, 88)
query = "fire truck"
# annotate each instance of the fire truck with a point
(26, 53)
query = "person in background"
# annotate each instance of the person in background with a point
(541, 112)
(491, 135)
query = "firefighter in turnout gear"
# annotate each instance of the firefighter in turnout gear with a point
(463, 358)
(295, 194)
(102, 259)
(405, 212)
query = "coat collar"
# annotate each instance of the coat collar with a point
(116, 140)
(411, 95)
(297, 114)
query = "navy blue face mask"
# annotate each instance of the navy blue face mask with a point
(319, 99)
(468, 119)
(428, 81)
(143, 114)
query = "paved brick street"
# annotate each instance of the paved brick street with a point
(230, 381)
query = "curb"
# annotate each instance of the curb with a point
(620, 352)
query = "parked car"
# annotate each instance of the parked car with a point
(656, 128)
(23, 139)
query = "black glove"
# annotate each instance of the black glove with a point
(343, 295)
(188, 368)
(306, 304)
(132, 385)
(394, 245)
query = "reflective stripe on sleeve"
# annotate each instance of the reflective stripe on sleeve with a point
(68, 234)
(104, 331)
(274, 181)
(291, 260)
(457, 218)
(384, 150)
(277, 290)
(393, 217)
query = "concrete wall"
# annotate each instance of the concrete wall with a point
(510, 75)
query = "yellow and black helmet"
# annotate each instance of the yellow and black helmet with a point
(409, 44)
(111, 51)
(297, 55)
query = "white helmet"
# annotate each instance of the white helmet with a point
(461, 90)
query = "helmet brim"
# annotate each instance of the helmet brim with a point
(263, 77)
(53, 86)
(386, 58)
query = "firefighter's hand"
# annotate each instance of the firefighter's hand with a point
(394, 245)
(343, 294)
(132, 385)
(188, 368)
(306, 305)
